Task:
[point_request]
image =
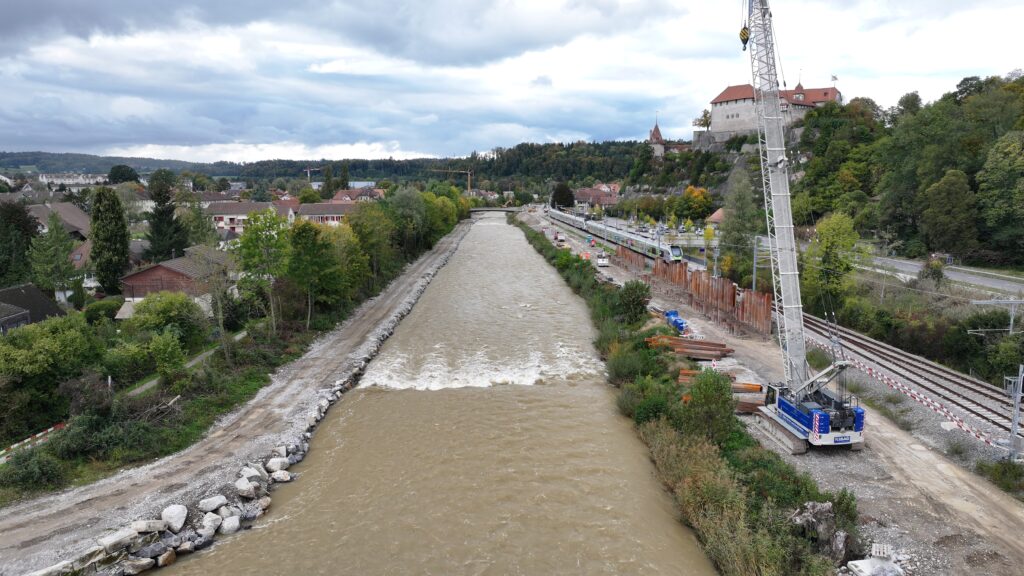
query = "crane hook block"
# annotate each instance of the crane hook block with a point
(744, 36)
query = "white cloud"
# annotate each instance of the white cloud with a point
(283, 86)
(243, 152)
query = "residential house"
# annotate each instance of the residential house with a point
(73, 179)
(210, 196)
(328, 213)
(6, 180)
(232, 216)
(75, 221)
(25, 304)
(189, 274)
(603, 195)
(716, 218)
(733, 112)
(358, 195)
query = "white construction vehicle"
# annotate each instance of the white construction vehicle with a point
(803, 409)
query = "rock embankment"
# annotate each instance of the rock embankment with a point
(223, 508)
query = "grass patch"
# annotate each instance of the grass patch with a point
(956, 448)
(818, 359)
(897, 415)
(1009, 476)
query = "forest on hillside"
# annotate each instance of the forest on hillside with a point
(946, 176)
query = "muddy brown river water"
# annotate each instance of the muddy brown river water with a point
(482, 440)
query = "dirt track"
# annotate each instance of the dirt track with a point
(948, 520)
(46, 530)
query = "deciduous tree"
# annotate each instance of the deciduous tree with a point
(562, 196)
(263, 253)
(122, 173)
(948, 219)
(312, 261)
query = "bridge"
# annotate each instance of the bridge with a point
(496, 209)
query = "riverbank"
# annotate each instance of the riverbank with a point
(52, 528)
(738, 496)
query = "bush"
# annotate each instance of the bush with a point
(31, 470)
(106, 308)
(633, 299)
(651, 408)
(710, 412)
(168, 356)
(161, 311)
(1008, 475)
(625, 363)
(127, 362)
(818, 358)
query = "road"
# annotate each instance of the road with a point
(988, 280)
(56, 527)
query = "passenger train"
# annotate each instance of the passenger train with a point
(667, 252)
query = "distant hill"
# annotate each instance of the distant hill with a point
(90, 164)
(536, 162)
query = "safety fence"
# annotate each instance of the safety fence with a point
(718, 298)
(33, 440)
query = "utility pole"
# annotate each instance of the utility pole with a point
(1013, 388)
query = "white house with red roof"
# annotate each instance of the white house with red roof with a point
(733, 111)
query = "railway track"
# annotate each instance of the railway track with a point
(978, 398)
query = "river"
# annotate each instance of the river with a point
(481, 440)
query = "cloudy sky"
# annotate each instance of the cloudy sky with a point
(256, 79)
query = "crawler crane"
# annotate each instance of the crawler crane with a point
(802, 409)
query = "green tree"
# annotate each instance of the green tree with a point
(562, 196)
(263, 253)
(198, 226)
(50, 257)
(167, 237)
(309, 196)
(122, 173)
(632, 301)
(312, 261)
(17, 230)
(828, 262)
(741, 224)
(710, 411)
(932, 270)
(374, 228)
(704, 120)
(353, 270)
(342, 182)
(110, 239)
(168, 356)
(410, 213)
(948, 219)
(1001, 194)
(34, 360)
(223, 185)
(172, 312)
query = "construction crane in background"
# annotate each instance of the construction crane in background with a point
(802, 409)
(309, 172)
(468, 173)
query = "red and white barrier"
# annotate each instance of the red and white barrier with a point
(33, 440)
(917, 396)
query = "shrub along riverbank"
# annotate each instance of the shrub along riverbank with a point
(735, 494)
(301, 280)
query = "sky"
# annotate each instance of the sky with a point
(299, 79)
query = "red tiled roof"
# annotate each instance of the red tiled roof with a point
(812, 96)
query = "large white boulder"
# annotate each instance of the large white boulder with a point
(245, 488)
(118, 540)
(175, 516)
(282, 476)
(212, 503)
(275, 464)
(230, 525)
(149, 525)
(211, 521)
(251, 474)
